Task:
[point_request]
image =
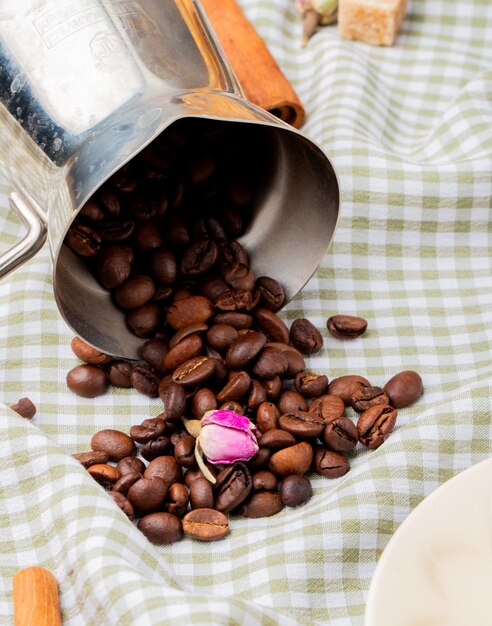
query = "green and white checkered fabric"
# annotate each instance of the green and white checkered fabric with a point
(409, 129)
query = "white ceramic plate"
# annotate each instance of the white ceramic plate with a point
(437, 568)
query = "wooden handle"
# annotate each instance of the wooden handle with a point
(259, 75)
(36, 598)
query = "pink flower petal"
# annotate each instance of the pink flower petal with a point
(223, 445)
(229, 419)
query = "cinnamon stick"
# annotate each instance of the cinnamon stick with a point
(36, 598)
(257, 71)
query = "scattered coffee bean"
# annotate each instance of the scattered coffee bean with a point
(116, 444)
(341, 434)
(375, 425)
(201, 494)
(345, 386)
(25, 408)
(161, 528)
(404, 389)
(206, 524)
(124, 504)
(346, 326)
(365, 397)
(262, 504)
(86, 459)
(106, 475)
(330, 463)
(305, 336)
(295, 490)
(88, 381)
(87, 353)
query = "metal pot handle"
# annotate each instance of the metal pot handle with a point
(35, 219)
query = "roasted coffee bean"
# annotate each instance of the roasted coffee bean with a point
(83, 240)
(305, 336)
(116, 444)
(161, 528)
(194, 372)
(176, 233)
(234, 300)
(130, 465)
(144, 320)
(212, 287)
(267, 416)
(270, 363)
(123, 484)
(273, 387)
(147, 237)
(148, 494)
(184, 451)
(192, 474)
(142, 204)
(205, 524)
(186, 349)
(272, 325)
(310, 385)
(124, 179)
(276, 438)
(87, 381)
(199, 258)
(340, 434)
(149, 429)
(236, 388)
(201, 494)
(204, 400)
(202, 166)
(295, 359)
(345, 386)
(292, 460)
(330, 463)
(197, 328)
(232, 487)
(87, 353)
(192, 310)
(291, 401)
(86, 459)
(25, 408)
(232, 221)
(108, 199)
(166, 467)
(210, 228)
(105, 475)
(178, 499)
(365, 397)
(295, 490)
(244, 349)
(262, 504)
(124, 504)
(221, 373)
(375, 425)
(404, 389)
(260, 460)
(177, 435)
(119, 373)
(145, 380)
(238, 276)
(221, 336)
(237, 320)
(115, 230)
(163, 267)
(272, 294)
(301, 424)
(264, 480)
(346, 326)
(156, 447)
(113, 265)
(327, 407)
(135, 292)
(233, 252)
(91, 211)
(233, 406)
(154, 352)
(257, 395)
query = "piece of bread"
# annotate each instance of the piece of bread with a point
(373, 21)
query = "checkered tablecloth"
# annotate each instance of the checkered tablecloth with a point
(409, 129)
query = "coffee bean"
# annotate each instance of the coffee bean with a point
(25, 408)
(163, 267)
(184, 451)
(267, 416)
(345, 386)
(115, 230)
(341, 434)
(108, 200)
(276, 438)
(233, 252)
(257, 395)
(301, 424)
(305, 336)
(178, 499)
(197, 328)
(149, 429)
(105, 475)
(295, 490)
(232, 487)
(116, 444)
(186, 349)
(87, 353)
(327, 407)
(194, 372)
(330, 463)
(233, 406)
(346, 326)
(161, 528)
(404, 389)
(295, 359)
(262, 504)
(272, 294)
(123, 503)
(212, 287)
(291, 401)
(205, 524)
(264, 480)
(201, 494)
(365, 397)
(83, 240)
(144, 320)
(147, 237)
(199, 258)
(113, 265)
(237, 320)
(260, 460)
(238, 276)
(272, 325)
(236, 388)
(153, 353)
(192, 310)
(119, 374)
(130, 465)
(166, 468)
(86, 459)
(88, 381)
(204, 400)
(156, 447)
(235, 300)
(91, 211)
(292, 460)
(310, 385)
(273, 387)
(173, 396)
(145, 380)
(375, 425)
(123, 484)
(194, 473)
(221, 336)
(147, 494)
(135, 292)
(244, 349)
(270, 363)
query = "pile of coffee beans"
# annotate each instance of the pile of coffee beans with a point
(161, 235)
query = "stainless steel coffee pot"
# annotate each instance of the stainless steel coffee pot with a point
(85, 85)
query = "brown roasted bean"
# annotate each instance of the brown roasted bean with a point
(301, 424)
(205, 524)
(365, 397)
(272, 325)
(291, 401)
(375, 425)
(346, 326)
(292, 460)
(267, 416)
(310, 385)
